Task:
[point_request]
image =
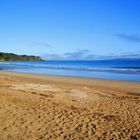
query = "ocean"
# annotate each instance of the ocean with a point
(117, 69)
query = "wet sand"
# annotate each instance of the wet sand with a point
(41, 107)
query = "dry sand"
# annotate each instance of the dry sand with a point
(40, 107)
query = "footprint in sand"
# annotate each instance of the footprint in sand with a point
(78, 93)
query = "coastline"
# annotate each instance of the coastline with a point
(38, 106)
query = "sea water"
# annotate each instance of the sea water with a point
(117, 69)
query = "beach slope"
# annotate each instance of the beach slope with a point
(34, 107)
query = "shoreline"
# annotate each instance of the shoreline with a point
(77, 80)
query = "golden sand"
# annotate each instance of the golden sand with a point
(41, 107)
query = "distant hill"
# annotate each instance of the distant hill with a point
(15, 57)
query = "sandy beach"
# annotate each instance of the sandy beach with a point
(41, 107)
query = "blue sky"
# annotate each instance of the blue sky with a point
(71, 29)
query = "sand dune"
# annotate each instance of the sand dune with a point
(42, 107)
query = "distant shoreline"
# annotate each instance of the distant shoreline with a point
(4, 57)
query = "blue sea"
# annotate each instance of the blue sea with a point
(119, 69)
